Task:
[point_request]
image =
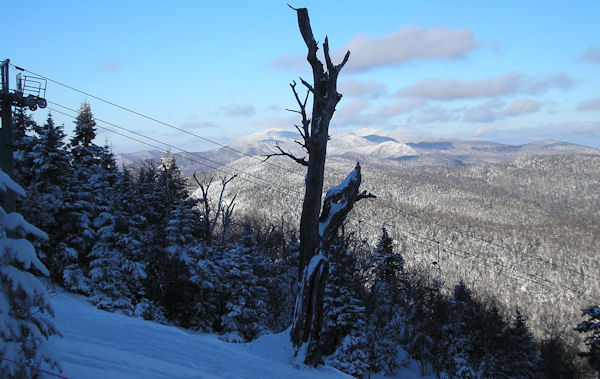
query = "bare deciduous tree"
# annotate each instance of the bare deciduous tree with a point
(212, 212)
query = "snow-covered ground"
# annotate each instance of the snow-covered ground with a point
(98, 344)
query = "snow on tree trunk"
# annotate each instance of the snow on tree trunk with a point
(316, 231)
(308, 315)
(24, 302)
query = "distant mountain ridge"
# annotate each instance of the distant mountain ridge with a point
(366, 145)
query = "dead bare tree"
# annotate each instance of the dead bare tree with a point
(317, 231)
(213, 211)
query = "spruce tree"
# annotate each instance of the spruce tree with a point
(344, 338)
(24, 303)
(245, 314)
(592, 327)
(522, 359)
(49, 173)
(387, 306)
(78, 222)
(116, 269)
(24, 129)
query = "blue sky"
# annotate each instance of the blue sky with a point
(510, 71)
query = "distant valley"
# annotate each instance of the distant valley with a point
(519, 223)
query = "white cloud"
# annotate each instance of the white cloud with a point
(591, 54)
(523, 106)
(401, 107)
(236, 110)
(355, 88)
(448, 89)
(289, 61)
(435, 115)
(542, 83)
(590, 105)
(486, 112)
(407, 44)
(510, 83)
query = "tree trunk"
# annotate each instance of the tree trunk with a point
(317, 228)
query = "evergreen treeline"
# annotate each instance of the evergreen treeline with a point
(135, 242)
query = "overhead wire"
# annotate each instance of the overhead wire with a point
(465, 255)
(414, 235)
(127, 109)
(261, 160)
(179, 155)
(410, 214)
(219, 164)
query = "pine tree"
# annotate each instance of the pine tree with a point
(462, 332)
(24, 129)
(24, 303)
(591, 326)
(343, 338)
(245, 314)
(78, 222)
(387, 306)
(49, 174)
(522, 360)
(116, 269)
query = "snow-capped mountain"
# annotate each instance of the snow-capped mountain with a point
(367, 145)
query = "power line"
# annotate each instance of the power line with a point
(253, 157)
(438, 223)
(173, 147)
(465, 255)
(503, 247)
(153, 119)
(414, 235)
(179, 155)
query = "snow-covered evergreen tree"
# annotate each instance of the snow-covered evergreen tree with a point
(387, 306)
(116, 269)
(521, 356)
(49, 174)
(24, 303)
(24, 129)
(245, 313)
(461, 331)
(84, 203)
(343, 338)
(592, 326)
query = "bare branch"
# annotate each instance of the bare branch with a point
(196, 179)
(220, 204)
(305, 119)
(301, 144)
(307, 85)
(330, 66)
(341, 65)
(301, 133)
(301, 161)
(364, 195)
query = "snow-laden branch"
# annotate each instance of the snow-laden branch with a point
(339, 201)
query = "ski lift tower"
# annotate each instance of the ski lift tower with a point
(30, 93)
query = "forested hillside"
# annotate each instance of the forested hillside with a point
(224, 260)
(524, 231)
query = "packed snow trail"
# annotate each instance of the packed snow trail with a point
(98, 344)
